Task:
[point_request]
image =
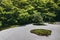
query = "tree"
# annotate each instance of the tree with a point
(19, 12)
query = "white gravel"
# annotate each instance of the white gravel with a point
(23, 33)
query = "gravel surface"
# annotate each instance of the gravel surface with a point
(23, 33)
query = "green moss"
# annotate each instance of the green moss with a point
(51, 22)
(4, 28)
(42, 32)
(38, 24)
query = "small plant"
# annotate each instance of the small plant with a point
(42, 32)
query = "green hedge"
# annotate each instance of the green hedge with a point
(17, 12)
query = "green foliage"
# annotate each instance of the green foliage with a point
(17, 12)
(42, 32)
(37, 18)
(23, 18)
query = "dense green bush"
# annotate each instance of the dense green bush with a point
(17, 12)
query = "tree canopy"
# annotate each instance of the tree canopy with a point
(17, 12)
